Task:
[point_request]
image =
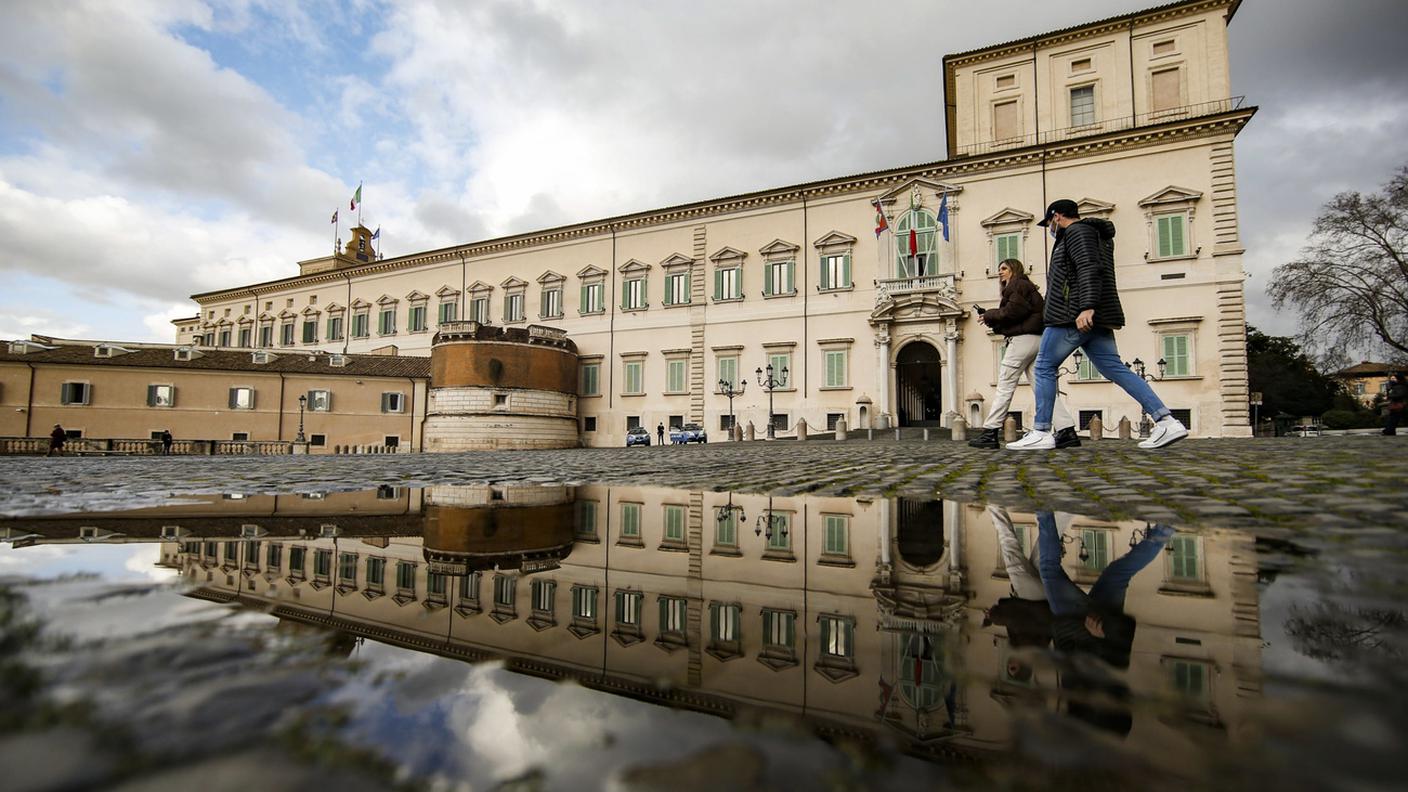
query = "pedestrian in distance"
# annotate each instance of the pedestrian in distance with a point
(166, 441)
(1018, 317)
(1397, 399)
(660, 433)
(1083, 311)
(57, 438)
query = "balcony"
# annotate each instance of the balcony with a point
(945, 285)
(1121, 124)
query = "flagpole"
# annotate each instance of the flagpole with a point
(359, 203)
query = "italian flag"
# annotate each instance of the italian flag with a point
(357, 197)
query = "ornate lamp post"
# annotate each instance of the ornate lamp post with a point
(1140, 534)
(723, 513)
(769, 523)
(772, 383)
(302, 403)
(1138, 367)
(1077, 357)
(728, 390)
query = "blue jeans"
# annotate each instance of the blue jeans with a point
(1064, 596)
(1057, 344)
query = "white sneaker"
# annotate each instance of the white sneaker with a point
(1167, 431)
(1035, 440)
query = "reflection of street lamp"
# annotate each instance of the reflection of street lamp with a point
(769, 522)
(1137, 366)
(1084, 552)
(723, 513)
(302, 402)
(772, 383)
(1140, 534)
(727, 389)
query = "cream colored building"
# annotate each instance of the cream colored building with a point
(1134, 117)
(859, 616)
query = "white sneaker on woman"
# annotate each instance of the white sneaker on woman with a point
(1035, 440)
(1167, 431)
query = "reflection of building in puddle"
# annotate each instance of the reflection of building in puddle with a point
(862, 616)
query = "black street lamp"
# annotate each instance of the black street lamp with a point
(302, 403)
(772, 383)
(1078, 357)
(727, 511)
(1138, 367)
(769, 522)
(728, 390)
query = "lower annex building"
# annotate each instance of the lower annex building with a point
(1132, 117)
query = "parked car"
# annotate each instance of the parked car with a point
(637, 436)
(689, 433)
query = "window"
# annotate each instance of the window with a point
(1166, 47)
(310, 331)
(675, 372)
(513, 307)
(552, 303)
(777, 278)
(780, 361)
(838, 529)
(75, 393)
(161, 395)
(479, 310)
(634, 378)
(1007, 246)
(246, 337)
(386, 322)
(628, 607)
(674, 616)
(584, 603)
(833, 420)
(674, 524)
(1080, 65)
(1086, 371)
(726, 530)
(435, 586)
(837, 638)
(266, 336)
(591, 379)
(393, 402)
(725, 630)
(1175, 356)
(677, 288)
(586, 520)
(317, 440)
(239, 437)
(633, 294)
(728, 371)
(589, 423)
(416, 322)
(334, 328)
(297, 560)
(1189, 679)
(924, 261)
(405, 576)
(504, 592)
(1097, 547)
(347, 568)
(1167, 90)
(1184, 559)
(836, 271)
(1083, 105)
(836, 368)
(469, 593)
(322, 564)
(273, 557)
(319, 401)
(391, 441)
(224, 338)
(781, 539)
(779, 631)
(630, 521)
(1173, 241)
(1006, 81)
(1086, 416)
(728, 283)
(592, 298)
(360, 322)
(543, 596)
(1005, 123)
(632, 421)
(286, 334)
(449, 311)
(241, 398)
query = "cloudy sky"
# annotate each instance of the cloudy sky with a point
(153, 149)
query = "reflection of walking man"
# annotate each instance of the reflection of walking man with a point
(56, 440)
(166, 441)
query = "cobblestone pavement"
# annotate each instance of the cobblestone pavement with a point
(1332, 482)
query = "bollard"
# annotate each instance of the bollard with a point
(801, 428)
(1009, 429)
(926, 434)
(1125, 430)
(841, 429)
(750, 433)
(1096, 428)
(897, 434)
(883, 422)
(869, 434)
(958, 428)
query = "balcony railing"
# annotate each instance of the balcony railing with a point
(1101, 127)
(945, 285)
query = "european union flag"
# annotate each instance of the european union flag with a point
(943, 214)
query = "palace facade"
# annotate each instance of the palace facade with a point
(1133, 117)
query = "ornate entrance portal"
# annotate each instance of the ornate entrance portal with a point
(918, 385)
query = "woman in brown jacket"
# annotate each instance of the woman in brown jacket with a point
(1019, 318)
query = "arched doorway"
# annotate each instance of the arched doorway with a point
(919, 531)
(918, 395)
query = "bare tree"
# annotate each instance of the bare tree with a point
(1350, 283)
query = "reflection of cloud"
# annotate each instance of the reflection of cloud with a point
(143, 561)
(31, 559)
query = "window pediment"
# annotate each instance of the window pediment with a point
(311, 311)
(267, 317)
(591, 271)
(245, 320)
(1171, 197)
(480, 287)
(676, 261)
(1090, 207)
(417, 295)
(334, 308)
(834, 240)
(360, 303)
(550, 277)
(287, 314)
(447, 291)
(514, 282)
(634, 267)
(386, 299)
(728, 255)
(779, 249)
(1008, 216)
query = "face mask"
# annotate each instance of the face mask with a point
(1051, 229)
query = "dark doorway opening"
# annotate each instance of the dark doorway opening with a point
(918, 374)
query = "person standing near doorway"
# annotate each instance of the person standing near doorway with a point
(166, 441)
(1083, 311)
(1018, 317)
(660, 433)
(56, 440)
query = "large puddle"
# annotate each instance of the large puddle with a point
(537, 636)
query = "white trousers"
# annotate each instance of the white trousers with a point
(1020, 566)
(1021, 357)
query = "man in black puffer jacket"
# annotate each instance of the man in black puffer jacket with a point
(1082, 312)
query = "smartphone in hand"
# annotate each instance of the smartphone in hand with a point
(980, 309)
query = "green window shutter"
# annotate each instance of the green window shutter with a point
(822, 269)
(1176, 236)
(791, 269)
(1164, 236)
(737, 283)
(767, 279)
(644, 289)
(714, 621)
(664, 614)
(151, 395)
(768, 618)
(232, 398)
(825, 634)
(718, 284)
(845, 271)
(583, 305)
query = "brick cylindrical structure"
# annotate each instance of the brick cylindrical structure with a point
(476, 528)
(493, 387)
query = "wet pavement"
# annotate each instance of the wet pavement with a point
(532, 634)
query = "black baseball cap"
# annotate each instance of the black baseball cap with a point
(1065, 206)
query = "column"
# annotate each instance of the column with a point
(882, 375)
(950, 372)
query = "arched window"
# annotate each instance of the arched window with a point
(925, 258)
